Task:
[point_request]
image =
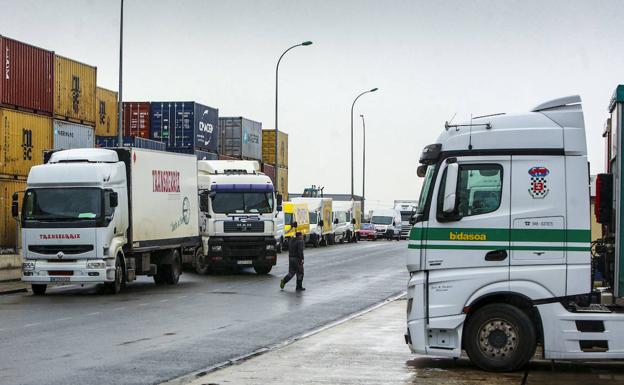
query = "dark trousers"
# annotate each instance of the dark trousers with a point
(295, 267)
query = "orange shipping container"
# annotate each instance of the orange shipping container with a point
(107, 120)
(74, 91)
(23, 138)
(8, 226)
(282, 180)
(268, 148)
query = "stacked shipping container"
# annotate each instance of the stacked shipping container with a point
(185, 125)
(268, 157)
(136, 119)
(241, 138)
(106, 120)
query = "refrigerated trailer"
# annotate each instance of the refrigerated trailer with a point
(499, 254)
(108, 215)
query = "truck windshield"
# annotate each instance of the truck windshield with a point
(406, 216)
(242, 202)
(424, 192)
(342, 216)
(381, 220)
(288, 218)
(62, 204)
(313, 218)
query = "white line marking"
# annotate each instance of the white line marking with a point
(94, 313)
(144, 304)
(33, 324)
(63, 319)
(182, 296)
(119, 308)
(163, 300)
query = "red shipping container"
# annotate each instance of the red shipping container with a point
(269, 170)
(27, 79)
(136, 119)
(225, 157)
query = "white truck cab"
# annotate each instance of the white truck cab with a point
(407, 208)
(346, 219)
(238, 216)
(500, 249)
(387, 223)
(321, 227)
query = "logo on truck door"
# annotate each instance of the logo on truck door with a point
(539, 185)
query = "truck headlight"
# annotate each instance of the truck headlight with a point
(216, 247)
(28, 266)
(270, 247)
(96, 265)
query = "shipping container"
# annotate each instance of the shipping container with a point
(130, 141)
(23, 138)
(107, 118)
(225, 157)
(268, 147)
(68, 135)
(269, 170)
(74, 91)
(136, 119)
(27, 80)
(185, 125)
(200, 154)
(9, 231)
(241, 137)
(282, 177)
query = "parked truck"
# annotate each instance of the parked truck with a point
(347, 216)
(407, 208)
(387, 223)
(107, 216)
(499, 255)
(238, 210)
(321, 228)
(296, 219)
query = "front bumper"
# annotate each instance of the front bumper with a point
(45, 272)
(241, 251)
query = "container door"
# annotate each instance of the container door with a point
(469, 247)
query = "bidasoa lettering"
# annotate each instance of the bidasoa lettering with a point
(461, 236)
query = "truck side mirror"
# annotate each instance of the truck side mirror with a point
(321, 223)
(113, 199)
(203, 201)
(279, 199)
(421, 170)
(393, 223)
(450, 188)
(335, 221)
(15, 206)
(353, 221)
(294, 225)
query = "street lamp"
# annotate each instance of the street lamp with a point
(120, 107)
(305, 43)
(352, 106)
(363, 160)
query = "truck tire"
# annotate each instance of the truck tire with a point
(159, 277)
(201, 267)
(262, 268)
(316, 242)
(38, 289)
(115, 286)
(500, 338)
(172, 271)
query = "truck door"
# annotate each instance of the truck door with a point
(538, 229)
(469, 248)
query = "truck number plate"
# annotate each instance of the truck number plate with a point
(245, 262)
(59, 279)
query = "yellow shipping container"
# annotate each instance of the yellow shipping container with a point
(9, 226)
(282, 180)
(268, 148)
(74, 91)
(107, 119)
(23, 138)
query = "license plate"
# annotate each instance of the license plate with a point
(59, 279)
(245, 262)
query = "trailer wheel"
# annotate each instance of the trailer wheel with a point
(201, 267)
(262, 268)
(500, 338)
(172, 271)
(115, 286)
(38, 289)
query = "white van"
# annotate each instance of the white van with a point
(387, 223)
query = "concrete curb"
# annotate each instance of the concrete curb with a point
(13, 291)
(242, 358)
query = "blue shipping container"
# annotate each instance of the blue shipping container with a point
(185, 125)
(130, 141)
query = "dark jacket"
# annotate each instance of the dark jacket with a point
(295, 248)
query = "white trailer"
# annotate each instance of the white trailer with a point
(407, 208)
(500, 250)
(346, 216)
(108, 215)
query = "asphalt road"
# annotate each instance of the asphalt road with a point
(150, 334)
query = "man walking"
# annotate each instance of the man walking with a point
(295, 262)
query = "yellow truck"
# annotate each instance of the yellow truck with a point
(321, 226)
(296, 218)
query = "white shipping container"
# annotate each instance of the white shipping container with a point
(164, 202)
(68, 135)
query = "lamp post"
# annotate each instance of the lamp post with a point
(120, 107)
(305, 43)
(363, 160)
(352, 106)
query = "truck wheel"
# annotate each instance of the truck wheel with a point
(500, 338)
(38, 289)
(262, 269)
(201, 267)
(172, 271)
(115, 286)
(159, 277)
(316, 242)
(280, 247)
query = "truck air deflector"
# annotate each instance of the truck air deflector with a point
(227, 187)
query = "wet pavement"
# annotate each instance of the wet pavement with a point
(370, 350)
(12, 287)
(151, 334)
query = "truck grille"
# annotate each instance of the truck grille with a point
(240, 227)
(65, 249)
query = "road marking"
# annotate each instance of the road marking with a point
(144, 304)
(182, 296)
(94, 313)
(63, 319)
(119, 308)
(163, 300)
(31, 325)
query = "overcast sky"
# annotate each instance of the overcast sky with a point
(430, 60)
